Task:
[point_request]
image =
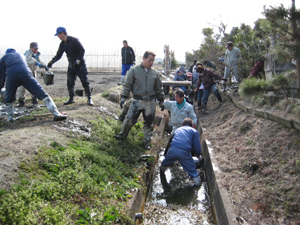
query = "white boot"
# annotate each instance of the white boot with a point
(52, 108)
(197, 181)
(10, 112)
(122, 80)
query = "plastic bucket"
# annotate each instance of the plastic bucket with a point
(48, 77)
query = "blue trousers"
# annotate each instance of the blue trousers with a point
(13, 81)
(125, 68)
(185, 159)
(215, 92)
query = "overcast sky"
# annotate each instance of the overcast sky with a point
(146, 25)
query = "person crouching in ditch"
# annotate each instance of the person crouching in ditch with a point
(14, 71)
(185, 141)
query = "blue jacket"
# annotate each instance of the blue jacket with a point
(12, 63)
(187, 138)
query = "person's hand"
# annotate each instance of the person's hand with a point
(122, 102)
(225, 79)
(162, 105)
(46, 68)
(49, 64)
(76, 64)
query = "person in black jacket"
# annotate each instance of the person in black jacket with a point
(75, 52)
(128, 60)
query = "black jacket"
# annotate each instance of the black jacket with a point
(73, 49)
(128, 56)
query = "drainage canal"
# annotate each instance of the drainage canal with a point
(172, 198)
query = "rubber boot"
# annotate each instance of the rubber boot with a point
(90, 102)
(204, 108)
(219, 97)
(125, 129)
(124, 113)
(199, 104)
(197, 181)
(71, 99)
(10, 112)
(34, 101)
(52, 108)
(21, 103)
(122, 80)
(224, 87)
(163, 168)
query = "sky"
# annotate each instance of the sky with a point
(146, 25)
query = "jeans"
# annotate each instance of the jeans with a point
(215, 92)
(125, 68)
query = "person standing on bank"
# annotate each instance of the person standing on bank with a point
(232, 55)
(75, 53)
(33, 60)
(128, 60)
(146, 86)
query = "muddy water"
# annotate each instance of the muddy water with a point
(173, 199)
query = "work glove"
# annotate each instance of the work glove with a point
(162, 105)
(122, 102)
(225, 79)
(46, 68)
(40, 65)
(49, 64)
(76, 64)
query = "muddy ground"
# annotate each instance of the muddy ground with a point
(258, 158)
(21, 140)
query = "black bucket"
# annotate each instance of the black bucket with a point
(48, 77)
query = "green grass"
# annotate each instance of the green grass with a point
(86, 182)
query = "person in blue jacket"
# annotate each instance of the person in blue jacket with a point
(185, 141)
(75, 54)
(14, 72)
(180, 77)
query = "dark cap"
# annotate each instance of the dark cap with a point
(59, 30)
(229, 44)
(195, 61)
(34, 45)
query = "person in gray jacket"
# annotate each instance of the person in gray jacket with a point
(180, 109)
(232, 54)
(33, 60)
(146, 86)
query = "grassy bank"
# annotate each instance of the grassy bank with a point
(87, 181)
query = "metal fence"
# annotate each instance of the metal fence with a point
(97, 59)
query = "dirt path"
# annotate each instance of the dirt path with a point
(259, 163)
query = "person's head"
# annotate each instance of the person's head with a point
(61, 33)
(34, 47)
(179, 96)
(200, 69)
(178, 72)
(229, 45)
(125, 44)
(187, 122)
(195, 61)
(10, 50)
(198, 64)
(148, 59)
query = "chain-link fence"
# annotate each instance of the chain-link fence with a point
(97, 59)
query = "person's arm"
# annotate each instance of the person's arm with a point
(128, 83)
(160, 95)
(132, 56)
(59, 53)
(215, 75)
(193, 115)
(2, 73)
(169, 144)
(196, 147)
(79, 46)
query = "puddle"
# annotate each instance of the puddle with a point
(173, 199)
(74, 126)
(106, 111)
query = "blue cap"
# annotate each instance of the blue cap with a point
(10, 50)
(59, 30)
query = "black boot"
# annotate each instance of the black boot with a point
(224, 87)
(204, 108)
(90, 102)
(199, 104)
(34, 101)
(71, 99)
(219, 96)
(21, 103)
